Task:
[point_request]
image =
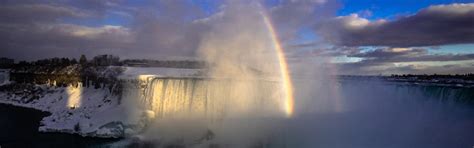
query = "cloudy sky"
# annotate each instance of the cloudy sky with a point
(359, 37)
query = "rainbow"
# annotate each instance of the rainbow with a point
(284, 71)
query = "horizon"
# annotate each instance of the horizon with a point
(236, 73)
(356, 38)
(91, 59)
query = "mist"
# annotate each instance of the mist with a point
(243, 73)
(243, 60)
(329, 112)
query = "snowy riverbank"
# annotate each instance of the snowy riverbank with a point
(88, 111)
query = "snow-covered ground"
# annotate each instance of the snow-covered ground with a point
(96, 112)
(80, 110)
(88, 111)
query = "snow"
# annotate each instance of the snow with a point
(92, 112)
(88, 108)
(97, 112)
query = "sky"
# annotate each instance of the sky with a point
(363, 37)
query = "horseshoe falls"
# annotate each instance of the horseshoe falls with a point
(211, 99)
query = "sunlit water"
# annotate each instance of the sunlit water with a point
(343, 114)
(330, 114)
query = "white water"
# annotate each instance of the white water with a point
(213, 99)
(190, 111)
(328, 114)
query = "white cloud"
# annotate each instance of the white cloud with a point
(435, 25)
(456, 8)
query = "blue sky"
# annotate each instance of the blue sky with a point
(369, 9)
(388, 9)
(152, 28)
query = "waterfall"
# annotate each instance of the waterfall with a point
(403, 93)
(212, 99)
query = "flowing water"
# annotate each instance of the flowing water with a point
(193, 112)
(352, 113)
(212, 99)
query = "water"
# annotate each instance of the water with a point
(343, 114)
(19, 128)
(366, 114)
(377, 113)
(213, 99)
(190, 110)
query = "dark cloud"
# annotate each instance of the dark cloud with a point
(32, 30)
(38, 13)
(317, 52)
(430, 27)
(435, 25)
(370, 68)
(406, 60)
(48, 40)
(383, 55)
